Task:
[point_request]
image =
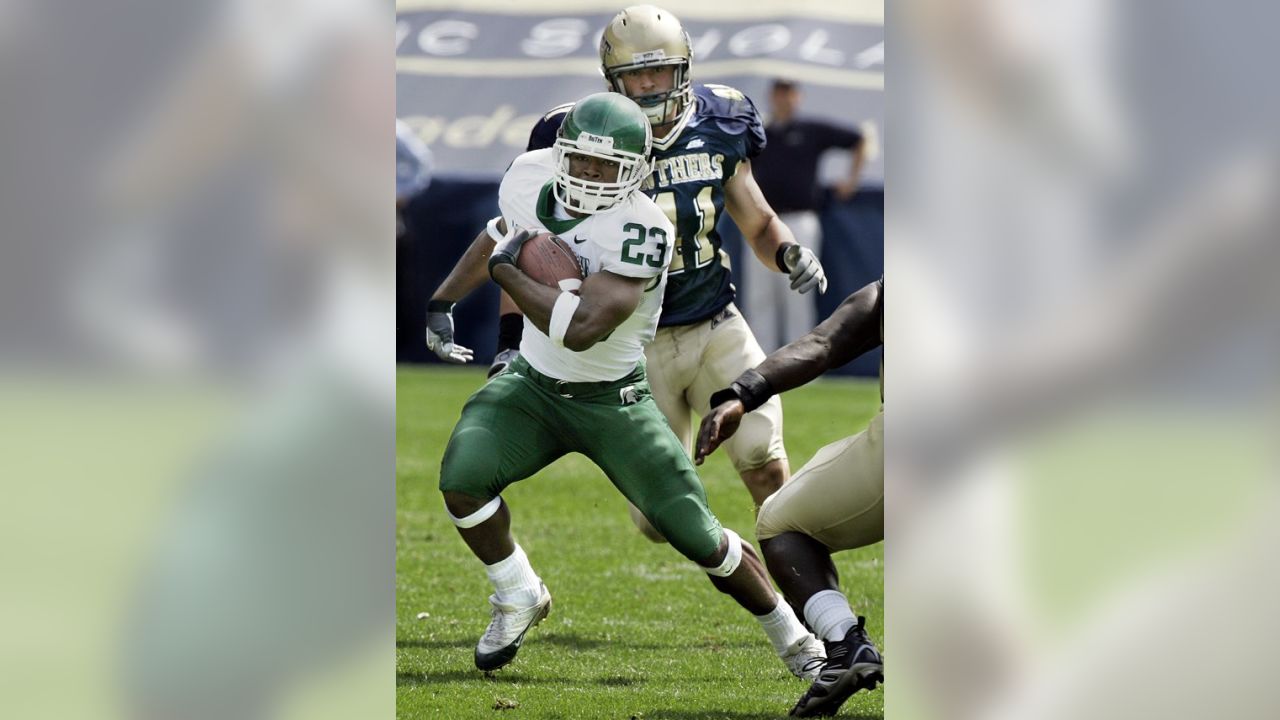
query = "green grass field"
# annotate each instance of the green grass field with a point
(636, 631)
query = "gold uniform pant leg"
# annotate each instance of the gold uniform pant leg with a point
(837, 498)
(729, 348)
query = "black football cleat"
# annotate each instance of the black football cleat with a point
(853, 664)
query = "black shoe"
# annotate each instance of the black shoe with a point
(853, 664)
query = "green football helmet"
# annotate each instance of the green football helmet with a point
(647, 36)
(607, 126)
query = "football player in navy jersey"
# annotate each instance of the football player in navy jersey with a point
(704, 139)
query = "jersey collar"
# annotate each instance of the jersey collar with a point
(547, 212)
(666, 142)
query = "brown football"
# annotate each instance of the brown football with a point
(549, 260)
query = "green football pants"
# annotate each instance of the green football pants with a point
(521, 421)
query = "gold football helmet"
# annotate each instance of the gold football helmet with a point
(647, 36)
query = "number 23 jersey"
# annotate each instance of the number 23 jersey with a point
(632, 238)
(690, 168)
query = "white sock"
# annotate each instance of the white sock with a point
(829, 615)
(782, 626)
(514, 581)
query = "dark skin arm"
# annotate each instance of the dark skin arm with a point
(853, 329)
(472, 269)
(607, 300)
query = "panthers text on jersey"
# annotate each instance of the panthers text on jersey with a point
(690, 167)
(632, 238)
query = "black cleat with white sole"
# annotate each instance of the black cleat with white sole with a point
(853, 664)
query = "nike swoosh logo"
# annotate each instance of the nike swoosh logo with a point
(578, 241)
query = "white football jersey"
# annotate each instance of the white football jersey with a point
(633, 238)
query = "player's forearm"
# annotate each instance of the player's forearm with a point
(605, 302)
(790, 367)
(761, 228)
(533, 298)
(853, 329)
(590, 325)
(797, 363)
(470, 273)
(768, 240)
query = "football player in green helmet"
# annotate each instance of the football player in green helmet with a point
(579, 383)
(704, 138)
(605, 127)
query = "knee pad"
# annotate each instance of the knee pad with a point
(732, 557)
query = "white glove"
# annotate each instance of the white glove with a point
(440, 334)
(805, 270)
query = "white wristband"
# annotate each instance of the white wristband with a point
(492, 229)
(561, 316)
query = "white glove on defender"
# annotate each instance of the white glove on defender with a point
(805, 270)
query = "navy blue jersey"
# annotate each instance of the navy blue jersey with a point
(690, 168)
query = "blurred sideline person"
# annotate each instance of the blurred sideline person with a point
(413, 171)
(579, 382)
(835, 502)
(788, 174)
(705, 139)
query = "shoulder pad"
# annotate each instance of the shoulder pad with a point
(522, 182)
(733, 113)
(548, 127)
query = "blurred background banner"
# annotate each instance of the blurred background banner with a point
(473, 78)
(472, 83)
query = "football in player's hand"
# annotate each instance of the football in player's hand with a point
(549, 260)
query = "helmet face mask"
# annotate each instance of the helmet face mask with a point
(644, 37)
(609, 127)
(661, 107)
